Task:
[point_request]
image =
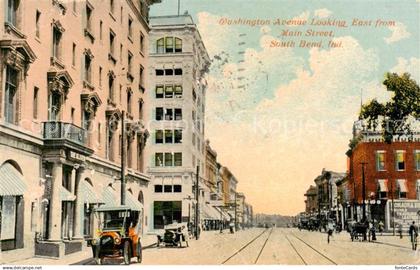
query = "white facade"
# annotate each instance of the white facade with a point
(178, 62)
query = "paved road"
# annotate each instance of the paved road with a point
(281, 246)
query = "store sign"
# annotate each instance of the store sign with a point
(406, 211)
(8, 218)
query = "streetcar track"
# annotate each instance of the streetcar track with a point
(294, 248)
(314, 249)
(265, 243)
(244, 247)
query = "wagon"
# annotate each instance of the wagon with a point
(358, 229)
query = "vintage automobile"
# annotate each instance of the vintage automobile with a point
(173, 235)
(118, 235)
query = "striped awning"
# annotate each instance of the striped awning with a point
(383, 185)
(132, 202)
(402, 185)
(11, 181)
(65, 195)
(109, 197)
(88, 194)
(210, 213)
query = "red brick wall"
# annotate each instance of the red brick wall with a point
(366, 152)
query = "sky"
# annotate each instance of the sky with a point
(277, 116)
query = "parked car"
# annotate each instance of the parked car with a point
(118, 235)
(173, 235)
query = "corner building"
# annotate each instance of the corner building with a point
(68, 71)
(178, 64)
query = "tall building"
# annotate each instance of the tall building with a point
(178, 63)
(69, 70)
(391, 174)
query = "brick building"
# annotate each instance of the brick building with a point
(392, 172)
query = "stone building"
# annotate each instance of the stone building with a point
(178, 64)
(69, 71)
(311, 202)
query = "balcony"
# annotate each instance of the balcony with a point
(58, 134)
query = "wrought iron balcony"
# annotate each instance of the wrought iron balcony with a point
(61, 134)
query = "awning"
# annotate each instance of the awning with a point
(402, 185)
(65, 195)
(88, 194)
(11, 181)
(210, 213)
(383, 185)
(225, 215)
(109, 198)
(132, 202)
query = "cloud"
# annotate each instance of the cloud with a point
(411, 66)
(322, 13)
(398, 32)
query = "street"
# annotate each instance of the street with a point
(280, 246)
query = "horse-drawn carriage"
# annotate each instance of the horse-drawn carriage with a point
(358, 229)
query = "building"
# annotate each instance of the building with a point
(240, 210)
(69, 71)
(311, 202)
(391, 174)
(178, 63)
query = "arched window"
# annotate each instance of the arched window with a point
(178, 45)
(160, 45)
(169, 44)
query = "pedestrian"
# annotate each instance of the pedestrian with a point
(400, 230)
(413, 231)
(330, 230)
(381, 227)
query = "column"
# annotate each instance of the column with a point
(55, 203)
(79, 207)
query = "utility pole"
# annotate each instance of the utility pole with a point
(363, 190)
(236, 218)
(197, 195)
(122, 158)
(179, 6)
(392, 210)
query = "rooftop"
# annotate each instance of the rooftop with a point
(172, 20)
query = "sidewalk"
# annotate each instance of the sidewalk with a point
(147, 241)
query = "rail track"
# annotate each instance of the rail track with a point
(249, 243)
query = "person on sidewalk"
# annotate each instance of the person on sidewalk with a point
(413, 231)
(330, 230)
(400, 230)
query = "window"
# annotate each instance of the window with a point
(141, 109)
(141, 76)
(159, 113)
(194, 95)
(178, 159)
(178, 71)
(168, 136)
(158, 188)
(193, 139)
(129, 61)
(159, 136)
(178, 91)
(35, 103)
(121, 52)
(100, 76)
(169, 114)
(178, 114)
(100, 29)
(168, 159)
(178, 136)
(166, 212)
(169, 45)
(89, 12)
(110, 129)
(169, 91)
(169, 72)
(130, 27)
(111, 6)
(88, 68)
(99, 133)
(141, 42)
(37, 23)
(167, 188)
(400, 160)
(12, 8)
(54, 104)
(111, 43)
(72, 111)
(110, 87)
(129, 94)
(160, 72)
(417, 159)
(402, 188)
(380, 160)
(160, 45)
(57, 35)
(418, 189)
(178, 45)
(121, 14)
(74, 6)
(159, 91)
(177, 188)
(73, 56)
(159, 159)
(10, 97)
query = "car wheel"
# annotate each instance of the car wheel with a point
(127, 252)
(139, 252)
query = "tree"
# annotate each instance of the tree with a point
(394, 116)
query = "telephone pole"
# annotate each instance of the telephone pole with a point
(197, 195)
(122, 158)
